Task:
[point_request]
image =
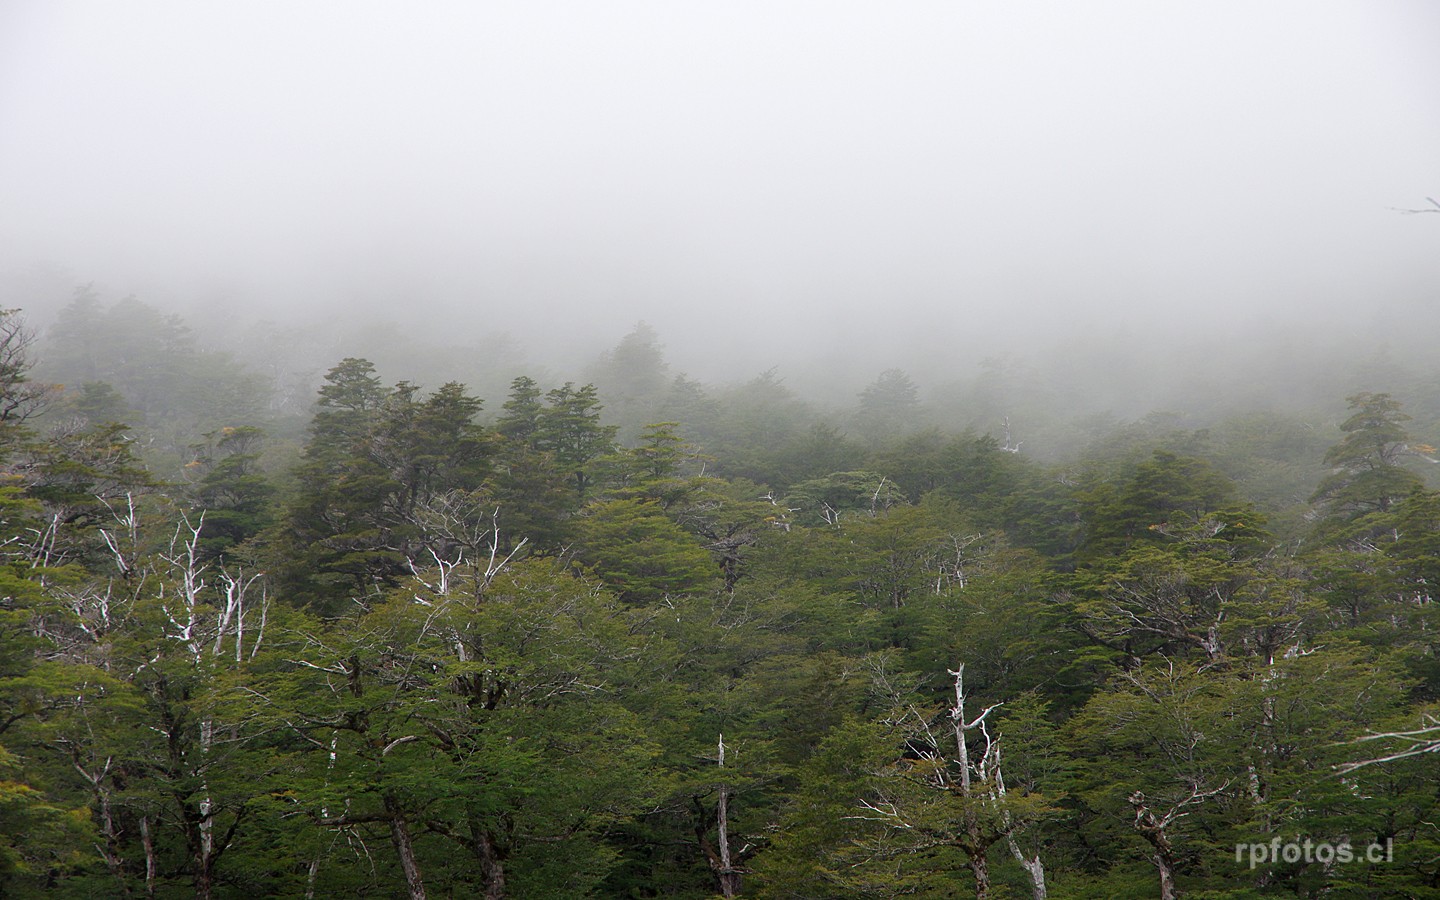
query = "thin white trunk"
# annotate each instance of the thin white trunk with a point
(109, 851)
(148, 843)
(207, 821)
(729, 877)
(405, 849)
(310, 877)
(1033, 867)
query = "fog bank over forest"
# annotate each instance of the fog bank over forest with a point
(1134, 206)
(1056, 392)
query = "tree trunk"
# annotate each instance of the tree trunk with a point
(980, 868)
(207, 810)
(400, 837)
(202, 862)
(729, 877)
(721, 861)
(203, 880)
(311, 876)
(1152, 828)
(1167, 876)
(1033, 867)
(492, 866)
(148, 843)
(111, 851)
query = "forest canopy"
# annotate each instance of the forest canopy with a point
(621, 633)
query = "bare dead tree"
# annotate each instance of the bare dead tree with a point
(463, 538)
(1010, 445)
(208, 614)
(1032, 864)
(464, 552)
(1415, 742)
(1154, 828)
(720, 857)
(968, 776)
(978, 834)
(201, 627)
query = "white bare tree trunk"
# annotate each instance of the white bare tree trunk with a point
(148, 843)
(729, 877)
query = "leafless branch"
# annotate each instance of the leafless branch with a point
(1433, 208)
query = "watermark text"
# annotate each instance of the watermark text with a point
(1279, 850)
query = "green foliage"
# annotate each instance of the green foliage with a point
(749, 668)
(520, 422)
(759, 431)
(640, 552)
(85, 478)
(686, 401)
(479, 710)
(377, 458)
(902, 805)
(230, 487)
(1176, 601)
(1235, 755)
(556, 637)
(570, 430)
(41, 842)
(995, 609)
(842, 495)
(814, 850)
(21, 397)
(809, 453)
(1367, 475)
(730, 519)
(95, 403)
(1164, 492)
(994, 489)
(660, 467)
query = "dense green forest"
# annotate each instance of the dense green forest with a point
(620, 633)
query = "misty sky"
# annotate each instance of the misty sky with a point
(800, 178)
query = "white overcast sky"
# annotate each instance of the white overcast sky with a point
(783, 172)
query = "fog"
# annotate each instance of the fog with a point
(832, 188)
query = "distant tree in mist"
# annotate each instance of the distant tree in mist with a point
(154, 364)
(633, 379)
(889, 406)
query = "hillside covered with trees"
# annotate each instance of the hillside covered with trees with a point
(366, 631)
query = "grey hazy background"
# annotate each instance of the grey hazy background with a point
(850, 185)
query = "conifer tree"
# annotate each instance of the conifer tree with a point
(1367, 472)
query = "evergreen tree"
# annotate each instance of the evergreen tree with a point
(570, 430)
(639, 552)
(1166, 491)
(375, 459)
(520, 421)
(178, 389)
(95, 403)
(889, 407)
(632, 378)
(1367, 472)
(230, 488)
(21, 397)
(470, 721)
